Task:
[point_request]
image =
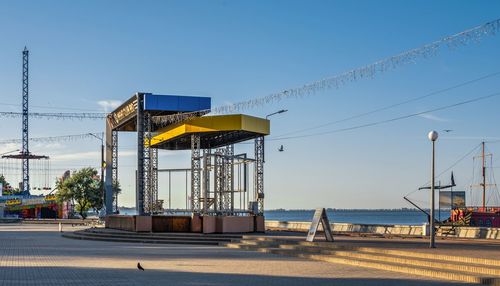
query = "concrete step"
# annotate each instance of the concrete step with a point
(449, 258)
(464, 269)
(74, 235)
(431, 272)
(408, 269)
(154, 237)
(334, 246)
(406, 260)
(164, 234)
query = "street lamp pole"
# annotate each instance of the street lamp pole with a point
(277, 112)
(433, 136)
(264, 141)
(102, 157)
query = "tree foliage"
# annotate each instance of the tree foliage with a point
(7, 189)
(84, 188)
(3, 181)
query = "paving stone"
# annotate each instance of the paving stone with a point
(38, 255)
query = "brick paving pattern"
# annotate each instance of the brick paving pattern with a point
(38, 255)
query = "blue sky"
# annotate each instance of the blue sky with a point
(90, 55)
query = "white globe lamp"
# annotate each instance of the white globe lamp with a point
(433, 135)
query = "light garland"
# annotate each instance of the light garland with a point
(51, 139)
(335, 82)
(369, 71)
(43, 115)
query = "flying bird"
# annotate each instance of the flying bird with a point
(281, 149)
(139, 266)
(447, 130)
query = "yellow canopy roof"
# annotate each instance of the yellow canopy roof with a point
(214, 131)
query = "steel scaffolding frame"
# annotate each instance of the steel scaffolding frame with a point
(133, 115)
(228, 190)
(221, 160)
(259, 173)
(114, 165)
(219, 179)
(220, 163)
(146, 166)
(207, 159)
(140, 199)
(25, 148)
(195, 173)
(150, 170)
(157, 205)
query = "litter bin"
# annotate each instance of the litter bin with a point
(426, 229)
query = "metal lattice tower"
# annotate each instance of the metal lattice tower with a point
(228, 192)
(153, 185)
(219, 179)
(25, 148)
(206, 180)
(140, 155)
(195, 173)
(114, 163)
(148, 198)
(259, 173)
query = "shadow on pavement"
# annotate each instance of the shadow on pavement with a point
(108, 276)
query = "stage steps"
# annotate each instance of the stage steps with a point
(101, 234)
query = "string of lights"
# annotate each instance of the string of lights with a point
(56, 115)
(390, 106)
(54, 107)
(473, 35)
(51, 139)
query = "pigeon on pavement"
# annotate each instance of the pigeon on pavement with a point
(139, 266)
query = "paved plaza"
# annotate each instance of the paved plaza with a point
(38, 255)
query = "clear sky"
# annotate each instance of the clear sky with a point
(91, 55)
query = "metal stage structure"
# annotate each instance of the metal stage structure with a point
(218, 175)
(135, 115)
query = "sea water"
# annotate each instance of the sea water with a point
(402, 217)
(391, 217)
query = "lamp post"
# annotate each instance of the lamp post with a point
(433, 136)
(267, 117)
(102, 156)
(277, 112)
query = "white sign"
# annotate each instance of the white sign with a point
(320, 217)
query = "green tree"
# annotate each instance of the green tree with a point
(4, 183)
(82, 187)
(6, 187)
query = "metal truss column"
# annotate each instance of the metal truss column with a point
(195, 173)
(154, 180)
(259, 173)
(139, 203)
(206, 179)
(146, 166)
(114, 165)
(228, 178)
(25, 149)
(219, 180)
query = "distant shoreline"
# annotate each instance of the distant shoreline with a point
(328, 209)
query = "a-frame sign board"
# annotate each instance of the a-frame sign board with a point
(320, 217)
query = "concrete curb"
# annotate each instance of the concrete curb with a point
(390, 230)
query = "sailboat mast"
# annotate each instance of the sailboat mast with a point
(484, 180)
